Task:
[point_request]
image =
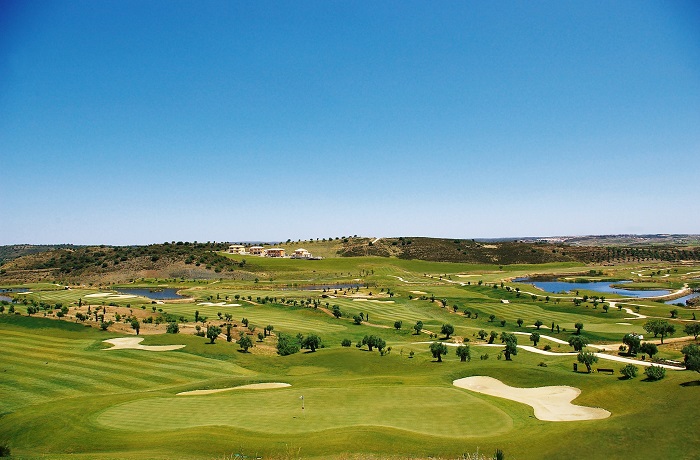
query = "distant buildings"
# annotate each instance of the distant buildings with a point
(274, 252)
(256, 250)
(269, 252)
(236, 249)
(301, 254)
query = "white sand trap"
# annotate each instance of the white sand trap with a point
(252, 386)
(372, 300)
(419, 292)
(134, 343)
(624, 324)
(552, 404)
(110, 295)
(218, 304)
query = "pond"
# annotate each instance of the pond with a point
(5, 298)
(605, 287)
(153, 294)
(683, 299)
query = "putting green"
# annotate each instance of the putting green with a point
(417, 409)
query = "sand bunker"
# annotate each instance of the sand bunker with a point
(134, 343)
(419, 292)
(551, 404)
(218, 304)
(111, 295)
(252, 386)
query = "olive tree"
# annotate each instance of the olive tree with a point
(438, 349)
(213, 332)
(587, 358)
(578, 342)
(511, 343)
(448, 330)
(464, 352)
(535, 337)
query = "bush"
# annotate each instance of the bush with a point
(4, 450)
(629, 371)
(346, 342)
(655, 372)
(172, 328)
(547, 347)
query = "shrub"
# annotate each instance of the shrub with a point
(655, 372)
(547, 347)
(346, 342)
(629, 371)
(172, 328)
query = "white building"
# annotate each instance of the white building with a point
(236, 249)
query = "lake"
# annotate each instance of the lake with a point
(160, 294)
(683, 299)
(604, 287)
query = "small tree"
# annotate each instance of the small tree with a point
(674, 313)
(464, 353)
(448, 330)
(482, 334)
(520, 322)
(692, 329)
(511, 343)
(492, 318)
(578, 327)
(397, 325)
(213, 332)
(438, 349)
(311, 342)
(357, 319)
(587, 358)
(172, 328)
(493, 336)
(336, 311)
(655, 372)
(535, 337)
(633, 343)
(135, 325)
(649, 348)
(578, 342)
(268, 329)
(538, 323)
(286, 345)
(244, 342)
(692, 357)
(418, 327)
(629, 371)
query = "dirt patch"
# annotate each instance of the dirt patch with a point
(550, 403)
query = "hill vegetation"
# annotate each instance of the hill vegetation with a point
(118, 264)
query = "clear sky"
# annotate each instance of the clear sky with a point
(127, 122)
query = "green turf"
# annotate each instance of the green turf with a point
(63, 394)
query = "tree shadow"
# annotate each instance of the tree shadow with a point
(693, 383)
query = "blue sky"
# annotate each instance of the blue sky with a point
(125, 122)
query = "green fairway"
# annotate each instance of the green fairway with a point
(60, 386)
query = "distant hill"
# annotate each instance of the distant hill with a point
(15, 251)
(513, 252)
(119, 264)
